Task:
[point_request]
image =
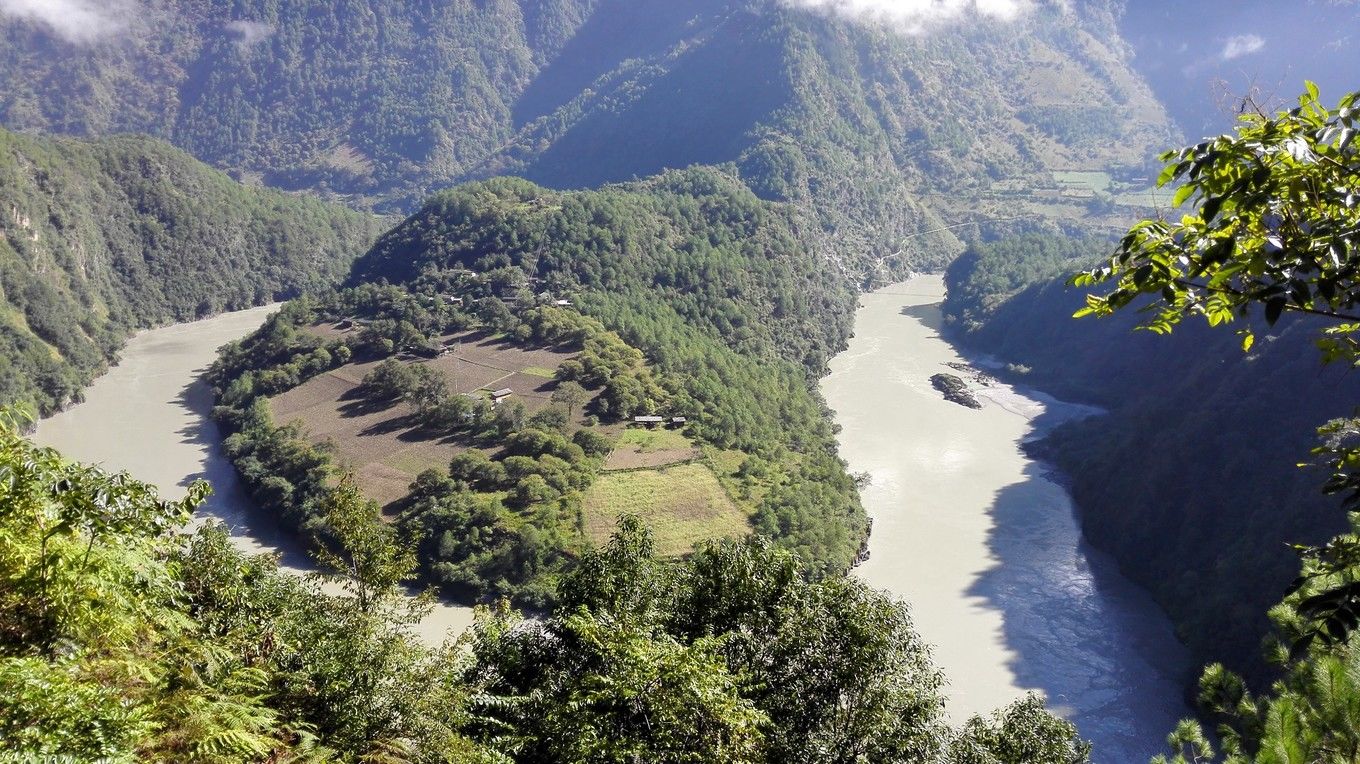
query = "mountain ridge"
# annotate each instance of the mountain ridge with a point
(880, 137)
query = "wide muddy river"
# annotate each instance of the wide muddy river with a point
(974, 535)
(149, 416)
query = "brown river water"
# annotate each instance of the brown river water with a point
(985, 548)
(149, 416)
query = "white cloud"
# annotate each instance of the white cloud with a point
(1241, 45)
(82, 21)
(917, 16)
(247, 33)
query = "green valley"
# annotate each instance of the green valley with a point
(688, 297)
(885, 142)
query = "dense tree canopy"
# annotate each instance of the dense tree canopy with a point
(123, 640)
(688, 296)
(990, 272)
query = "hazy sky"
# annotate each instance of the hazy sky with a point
(74, 20)
(1203, 57)
(917, 15)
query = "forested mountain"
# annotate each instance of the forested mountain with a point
(1191, 480)
(879, 135)
(703, 186)
(694, 244)
(844, 149)
(99, 238)
(734, 315)
(875, 134)
(353, 96)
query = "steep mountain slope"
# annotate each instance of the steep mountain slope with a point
(1191, 480)
(877, 135)
(100, 238)
(352, 96)
(883, 137)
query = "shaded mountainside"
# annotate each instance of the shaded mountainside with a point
(1190, 480)
(355, 96)
(883, 138)
(100, 238)
(876, 135)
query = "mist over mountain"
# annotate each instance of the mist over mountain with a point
(1258, 48)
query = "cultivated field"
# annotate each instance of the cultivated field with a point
(385, 444)
(479, 361)
(638, 448)
(683, 505)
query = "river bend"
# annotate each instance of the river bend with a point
(149, 415)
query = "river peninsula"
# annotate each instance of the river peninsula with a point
(968, 529)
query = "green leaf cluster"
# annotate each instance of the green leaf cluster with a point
(1274, 225)
(121, 639)
(734, 656)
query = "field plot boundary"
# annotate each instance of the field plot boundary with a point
(644, 449)
(619, 461)
(683, 505)
(383, 442)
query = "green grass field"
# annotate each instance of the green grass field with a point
(725, 462)
(643, 441)
(1096, 181)
(682, 505)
